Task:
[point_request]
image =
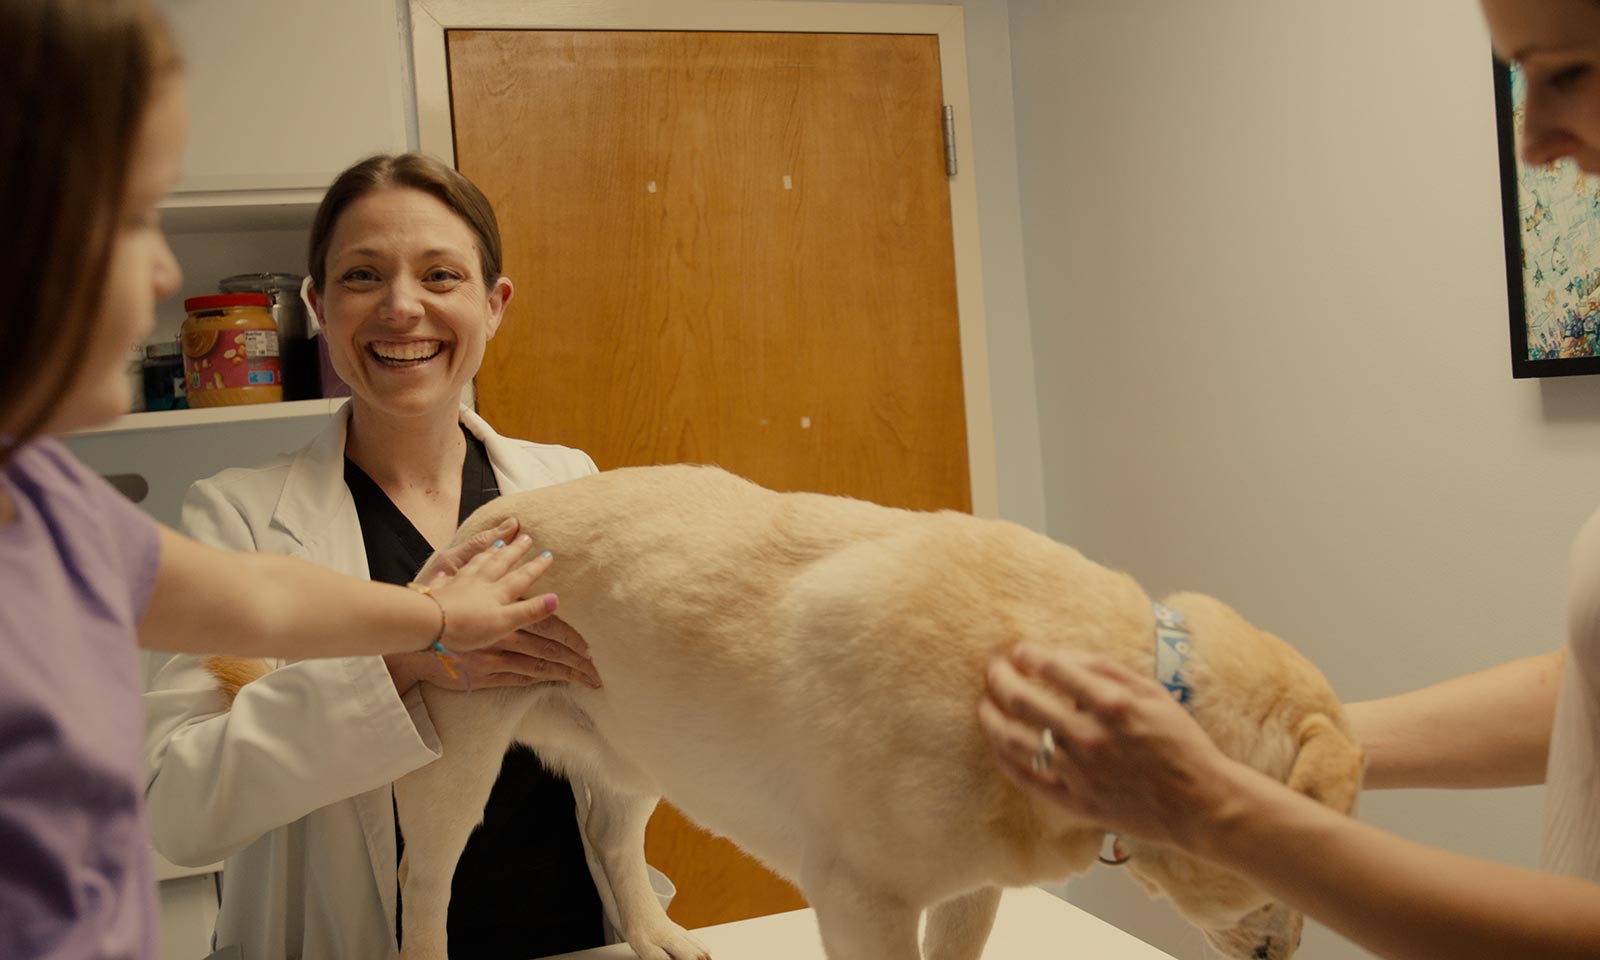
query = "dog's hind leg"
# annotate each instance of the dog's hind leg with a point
(959, 927)
(440, 804)
(615, 828)
(858, 922)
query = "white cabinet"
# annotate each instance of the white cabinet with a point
(284, 95)
(189, 901)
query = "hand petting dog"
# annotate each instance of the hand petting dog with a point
(1120, 750)
(549, 650)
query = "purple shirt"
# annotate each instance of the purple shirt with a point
(77, 565)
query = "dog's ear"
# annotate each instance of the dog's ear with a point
(1328, 767)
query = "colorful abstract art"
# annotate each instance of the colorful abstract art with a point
(1552, 227)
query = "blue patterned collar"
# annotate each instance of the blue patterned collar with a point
(1173, 646)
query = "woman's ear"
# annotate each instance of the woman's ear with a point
(499, 296)
(313, 301)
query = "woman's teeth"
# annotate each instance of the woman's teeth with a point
(406, 354)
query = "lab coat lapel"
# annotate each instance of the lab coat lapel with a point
(315, 507)
(514, 470)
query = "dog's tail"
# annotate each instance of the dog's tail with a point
(234, 672)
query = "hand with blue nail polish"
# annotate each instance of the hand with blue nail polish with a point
(540, 652)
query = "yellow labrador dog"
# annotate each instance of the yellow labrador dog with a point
(800, 673)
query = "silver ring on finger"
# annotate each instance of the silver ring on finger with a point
(1044, 757)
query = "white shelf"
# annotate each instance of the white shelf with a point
(206, 416)
(240, 210)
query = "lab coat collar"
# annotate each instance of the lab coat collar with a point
(514, 473)
(315, 501)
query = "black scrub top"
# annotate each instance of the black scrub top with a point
(522, 888)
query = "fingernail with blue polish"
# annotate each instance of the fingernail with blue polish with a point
(499, 543)
(545, 556)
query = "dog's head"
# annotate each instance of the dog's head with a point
(1239, 919)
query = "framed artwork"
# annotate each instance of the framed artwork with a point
(1552, 233)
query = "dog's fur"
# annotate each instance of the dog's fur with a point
(801, 674)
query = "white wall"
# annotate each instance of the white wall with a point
(1269, 318)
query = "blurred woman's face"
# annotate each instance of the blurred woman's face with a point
(141, 270)
(405, 310)
(1557, 45)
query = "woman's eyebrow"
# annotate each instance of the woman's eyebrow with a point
(374, 254)
(1535, 50)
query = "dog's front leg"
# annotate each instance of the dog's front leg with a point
(440, 804)
(615, 829)
(858, 920)
(959, 927)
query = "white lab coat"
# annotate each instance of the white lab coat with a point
(292, 786)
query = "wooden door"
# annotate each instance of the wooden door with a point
(729, 248)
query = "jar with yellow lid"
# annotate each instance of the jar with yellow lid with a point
(230, 350)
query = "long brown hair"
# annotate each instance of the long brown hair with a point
(76, 77)
(419, 172)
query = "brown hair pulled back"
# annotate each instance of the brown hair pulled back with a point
(419, 172)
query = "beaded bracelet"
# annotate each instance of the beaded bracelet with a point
(437, 647)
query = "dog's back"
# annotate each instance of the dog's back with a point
(801, 673)
(820, 663)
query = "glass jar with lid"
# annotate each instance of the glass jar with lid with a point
(296, 351)
(230, 350)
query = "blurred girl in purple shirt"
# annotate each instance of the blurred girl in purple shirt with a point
(92, 119)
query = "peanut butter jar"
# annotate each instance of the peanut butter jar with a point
(230, 350)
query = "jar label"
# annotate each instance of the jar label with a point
(231, 359)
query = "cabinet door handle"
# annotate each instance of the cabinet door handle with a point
(131, 485)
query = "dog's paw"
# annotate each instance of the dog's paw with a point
(667, 941)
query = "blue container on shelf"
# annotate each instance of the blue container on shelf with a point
(163, 376)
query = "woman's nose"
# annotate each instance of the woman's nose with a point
(1545, 134)
(168, 274)
(403, 300)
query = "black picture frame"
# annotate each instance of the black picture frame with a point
(1536, 362)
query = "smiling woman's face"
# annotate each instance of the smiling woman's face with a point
(405, 309)
(1557, 44)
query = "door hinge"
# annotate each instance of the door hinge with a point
(949, 140)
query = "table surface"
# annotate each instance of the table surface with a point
(1030, 920)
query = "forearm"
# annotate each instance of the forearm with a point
(1486, 729)
(1399, 899)
(305, 605)
(261, 604)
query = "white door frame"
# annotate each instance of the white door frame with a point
(431, 18)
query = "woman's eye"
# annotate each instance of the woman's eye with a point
(359, 275)
(441, 275)
(1567, 77)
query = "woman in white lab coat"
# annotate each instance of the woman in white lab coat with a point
(291, 786)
